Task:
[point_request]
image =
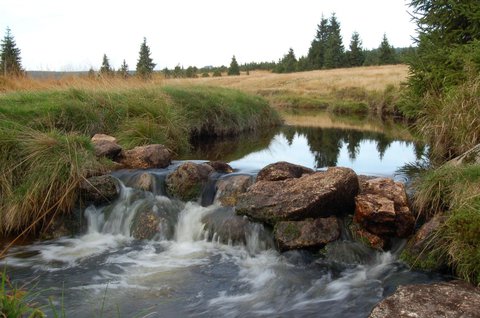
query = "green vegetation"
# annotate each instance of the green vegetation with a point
(46, 149)
(145, 63)
(105, 69)
(10, 61)
(123, 70)
(17, 302)
(234, 69)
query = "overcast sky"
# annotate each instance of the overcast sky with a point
(61, 35)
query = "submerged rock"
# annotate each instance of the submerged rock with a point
(306, 234)
(99, 190)
(229, 188)
(221, 167)
(313, 195)
(282, 170)
(446, 299)
(382, 208)
(144, 157)
(187, 181)
(144, 181)
(145, 225)
(106, 146)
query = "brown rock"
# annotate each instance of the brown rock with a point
(228, 189)
(144, 157)
(187, 181)
(99, 189)
(106, 146)
(144, 181)
(375, 213)
(447, 299)
(145, 225)
(370, 239)
(387, 188)
(314, 195)
(282, 170)
(307, 234)
(221, 167)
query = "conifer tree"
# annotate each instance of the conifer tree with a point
(288, 64)
(316, 53)
(334, 50)
(355, 56)
(10, 61)
(234, 69)
(105, 69)
(145, 64)
(386, 52)
(123, 70)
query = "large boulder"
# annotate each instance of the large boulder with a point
(307, 234)
(229, 188)
(382, 208)
(144, 157)
(282, 170)
(187, 181)
(226, 227)
(447, 299)
(106, 146)
(99, 190)
(314, 195)
(145, 225)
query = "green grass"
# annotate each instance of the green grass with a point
(452, 191)
(45, 138)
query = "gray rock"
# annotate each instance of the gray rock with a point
(311, 196)
(106, 146)
(187, 181)
(221, 167)
(282, 170)
(228, 189)
(307, 234)
(144, 157)
(447, 299)
(99, 189)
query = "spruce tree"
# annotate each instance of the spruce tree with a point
(234, 69)
(10, 61)
(334, 50)
(355, 56)
(316, 53)
(288, 64)
(386, 52)
(105, 69)
(123, 70)
(145, 64)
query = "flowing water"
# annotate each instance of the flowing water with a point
(190, 269)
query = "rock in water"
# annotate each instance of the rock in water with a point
(307, 234)
(382, 208)
(99, 190)
(187, 181)
(106, 146)
(145, 225)
(144, 157)
(229, 188)
(311, 196)
(221, 167)
(282, 170)
(448, 299)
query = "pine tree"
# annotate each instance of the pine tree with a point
(234, 69)
(10, 61)
(316, 53)
(105, 69)
(288, 64)
(386, 52)
(355, 56)
(334, 50)
(123, 70)
(145, 64)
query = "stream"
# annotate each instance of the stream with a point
(191, 270)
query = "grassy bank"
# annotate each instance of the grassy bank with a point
(45, 137)
(360, 90)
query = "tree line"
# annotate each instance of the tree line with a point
(327, 51)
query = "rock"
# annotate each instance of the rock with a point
(382, 208)
(106, 146)
(226, 226)
(367, 238)
(313, 195)
(307, 234)
(144, 181)
(221, 167)
(228, 189)
(282, 170)
(99, 190)
(144, 157)
(447, 299)
(187, 181)
(145, 225)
